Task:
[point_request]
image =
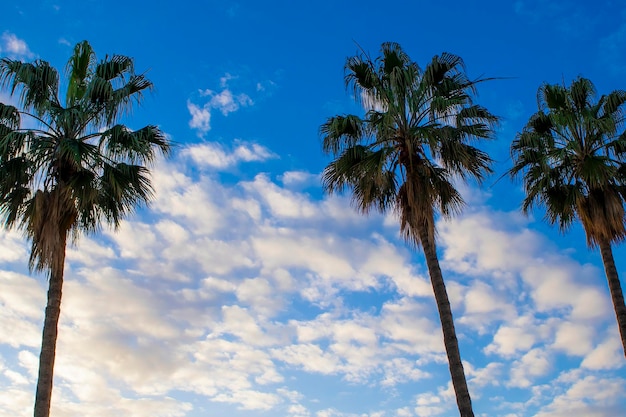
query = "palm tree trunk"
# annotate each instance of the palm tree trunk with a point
(615, 288)
(49, 338)
(463, 399)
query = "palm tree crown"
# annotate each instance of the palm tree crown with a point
(571, 156)
(413, 141)
(406, 153)
(67, 167)
(76, 158)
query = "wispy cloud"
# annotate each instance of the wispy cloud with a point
(567, 17)
(611, 51)
(224, 101)
(200, 118)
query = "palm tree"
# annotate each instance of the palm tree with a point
(571, 155)
(73, 169)
(405, 154)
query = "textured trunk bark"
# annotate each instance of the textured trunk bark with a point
(615, 289)
(463, 399)
(49, 338)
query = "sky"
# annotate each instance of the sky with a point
(243, 290)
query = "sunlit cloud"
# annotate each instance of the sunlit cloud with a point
(217, 156)
(231, 291)
(14, 47)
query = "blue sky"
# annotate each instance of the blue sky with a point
(244, 291)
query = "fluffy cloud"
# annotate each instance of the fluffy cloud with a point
(533, 364)
(200, 118)
(214, 155)
(299, 178)
(588, 396)
(244, 296)
(14, 47)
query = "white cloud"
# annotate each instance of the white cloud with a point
(281, 202)
(608, 354)
(250, 400)
(92, 253)
(241, 294)
(265, 86)
(430, 404)
(574, 338)
(405, 323)
(298, 410)
(520, 335)
(21, 299)
(309, 357)
(226, 78)
(258, 293)
(535, 363)
(224, 101)
(401, 370)
(14, 47)
(588, 396)
(485, 305)
(200, 118)
(217, 156)
(522, 279)
(12, 246)
(299, 178)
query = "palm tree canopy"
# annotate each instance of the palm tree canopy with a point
(68, 166)
(571, 158)
(414, 139)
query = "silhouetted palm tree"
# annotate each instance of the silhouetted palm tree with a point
(405, 154)
(74, 170)
(571, 156)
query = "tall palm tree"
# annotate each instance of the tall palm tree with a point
(405, 154)
(572, 157)
(67, 166)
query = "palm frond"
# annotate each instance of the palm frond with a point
(341, 132)
(99, 91)
(414, 137)
(125, 97)
(120, 143)
(79, 70)
(122, 188)
(37, 83)
(461, 159)
(9, 117)
(75, 170)
(582, 91)
(113, 67)
(613, 105)
(571, 157)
